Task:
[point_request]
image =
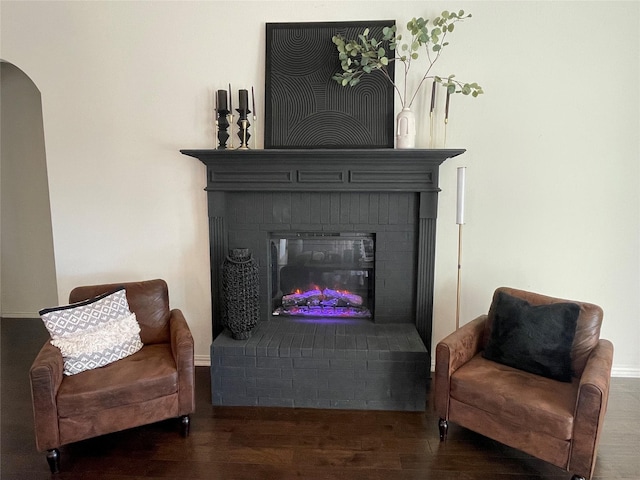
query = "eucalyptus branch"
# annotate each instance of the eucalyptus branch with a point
(365, 54)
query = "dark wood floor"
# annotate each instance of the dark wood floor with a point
(274, 443)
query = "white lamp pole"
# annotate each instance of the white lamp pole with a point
(460, 222)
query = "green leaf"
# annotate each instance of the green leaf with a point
(414, 56)
(366, 32)
(384, 61)
(450, 27)
(436, 48)
(451, 89)
(381, 52)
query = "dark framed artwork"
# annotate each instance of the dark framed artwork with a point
(305, 107)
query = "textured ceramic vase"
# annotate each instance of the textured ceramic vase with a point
(406, 129)
(241, 309)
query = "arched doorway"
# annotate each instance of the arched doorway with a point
(27, 270)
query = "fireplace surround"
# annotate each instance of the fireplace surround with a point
(388, 194)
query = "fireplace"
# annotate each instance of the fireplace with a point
(322, 275)
(345, 240)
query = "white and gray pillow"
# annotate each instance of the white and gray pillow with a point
(93, 333)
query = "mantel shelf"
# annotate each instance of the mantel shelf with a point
(382, 169)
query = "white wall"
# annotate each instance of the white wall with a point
(553, 153)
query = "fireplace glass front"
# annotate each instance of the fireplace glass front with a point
(322, 274)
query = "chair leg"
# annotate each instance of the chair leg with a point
(185, 423)
(443, 426)
(53, 459)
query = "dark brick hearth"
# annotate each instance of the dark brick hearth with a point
(350, 364)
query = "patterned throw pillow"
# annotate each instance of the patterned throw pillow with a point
(93, 333)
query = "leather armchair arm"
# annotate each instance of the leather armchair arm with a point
(46, 376)
(182, 348)
(591, 406)
(451, 353)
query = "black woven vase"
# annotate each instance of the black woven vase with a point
(240, 282)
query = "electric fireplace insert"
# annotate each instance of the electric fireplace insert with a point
(322, 274)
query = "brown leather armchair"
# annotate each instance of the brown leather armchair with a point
(153, 384)
(559, 422)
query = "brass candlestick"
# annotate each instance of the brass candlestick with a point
(230, 122)
(243, 133)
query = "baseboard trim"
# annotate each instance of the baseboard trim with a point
(20, 315)
(621, 371)
(202, 360)
(625, 371)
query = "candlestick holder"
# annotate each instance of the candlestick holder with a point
(243, 133)
(255, 125)
(222, 125)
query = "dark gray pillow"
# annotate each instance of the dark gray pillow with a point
(533, 338)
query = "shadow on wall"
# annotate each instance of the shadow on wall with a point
(27, 273)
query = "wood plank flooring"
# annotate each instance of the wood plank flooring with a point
(275, 443)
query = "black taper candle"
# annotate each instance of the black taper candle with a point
(433, 96)
(230, 100)
(243, 98)
(222, 100)
(446, 108)
(253, 101)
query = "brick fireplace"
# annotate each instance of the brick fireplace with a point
(386, 195)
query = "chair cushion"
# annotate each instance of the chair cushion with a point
(148, 374)
(93, 333)
(533, 338)
(534, 402)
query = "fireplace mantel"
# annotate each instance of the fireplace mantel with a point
(325, 172)
(357, 170)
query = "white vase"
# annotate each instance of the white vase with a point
(406, 129)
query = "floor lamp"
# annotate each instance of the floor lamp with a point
(460, 222)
